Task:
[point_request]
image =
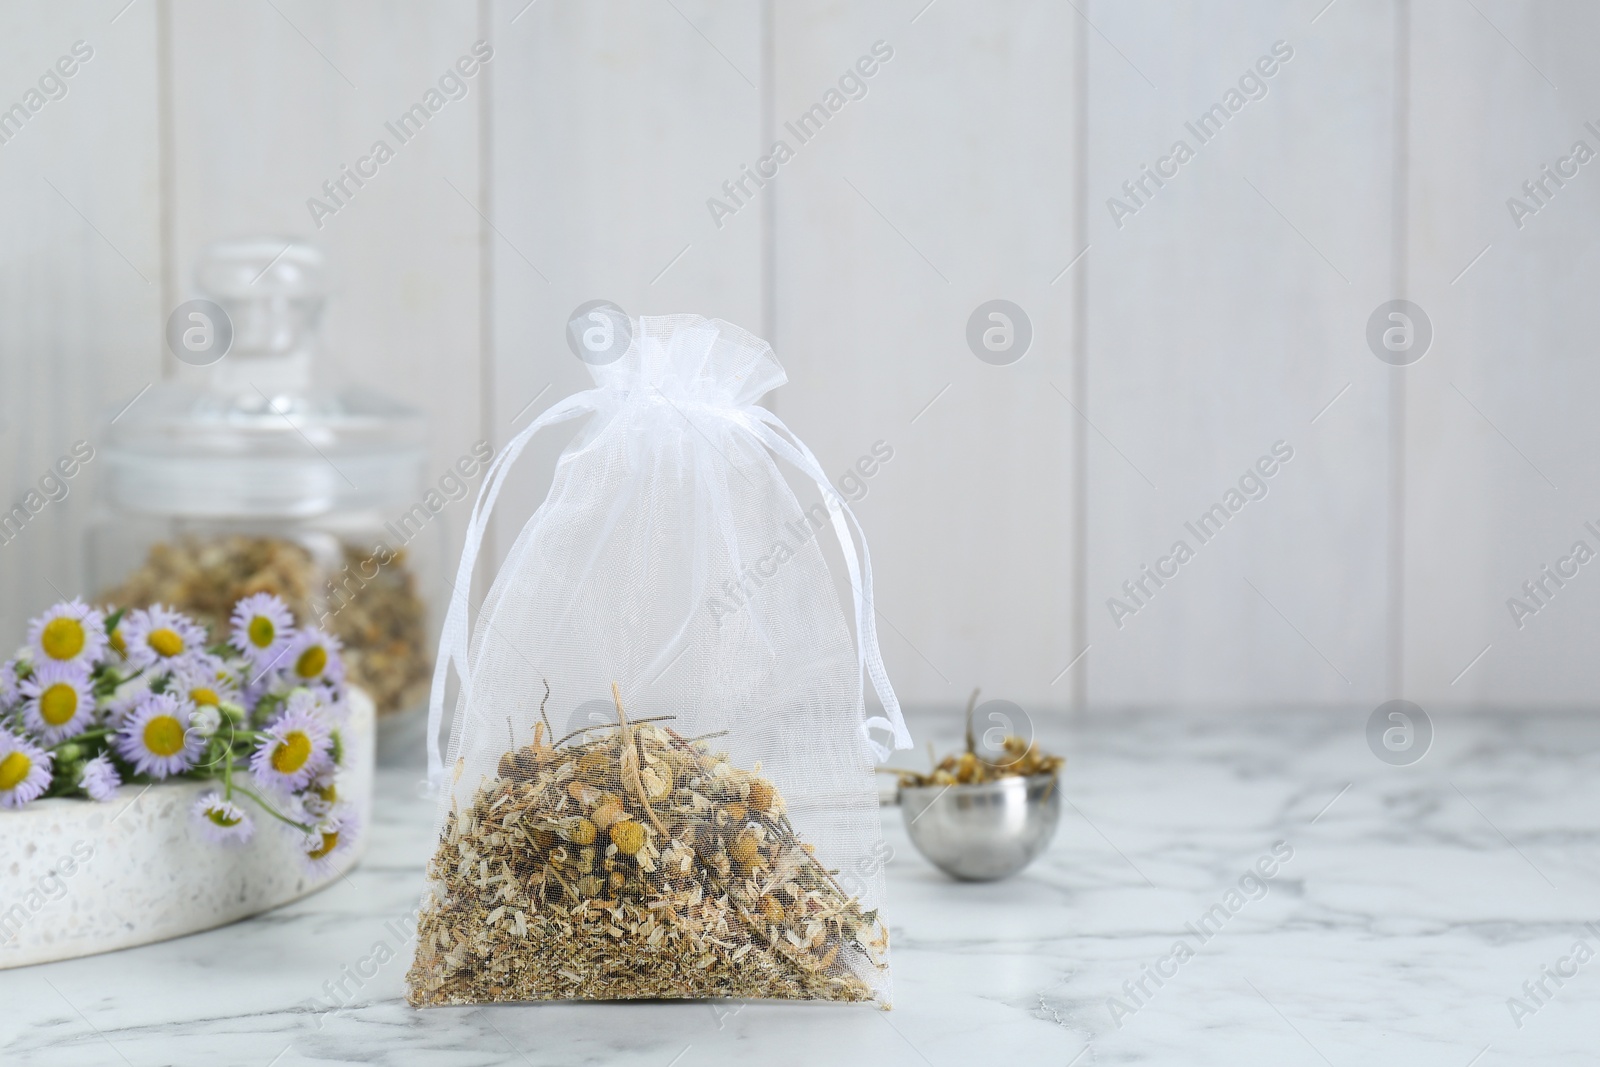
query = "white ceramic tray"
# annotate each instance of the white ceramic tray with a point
(77, 878)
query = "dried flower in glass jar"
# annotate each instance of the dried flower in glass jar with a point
(381, 621)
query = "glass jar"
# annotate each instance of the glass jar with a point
(251, 479)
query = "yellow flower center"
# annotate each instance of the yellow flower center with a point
(222, 818)
(291, 753)
(628, 836)
(330, 841)
(163, 735)
(118, 645)
(312, 662)
(165, 642)
(63, 638)
(206, 697)
(13, 769)
(329, 793)
(58, 704)
(261, 631)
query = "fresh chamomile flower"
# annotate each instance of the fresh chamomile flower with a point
(100, 778)
(24, 770)
(296, 748)
(159, 635)
(157, 736)
(222, 821)
(321, 796)
(229, 671)
(70, 632)
(315, 659)
(115, 638)
(60, 701)
(263, 629)
(206, 720)
(328, 699)
(334, 701)
(327, 847)
(204, 681)
(125, 697)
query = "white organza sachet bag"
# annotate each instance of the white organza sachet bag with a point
(660, 760)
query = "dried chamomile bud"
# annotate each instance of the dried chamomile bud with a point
(657, 782)
(628, 836)
(745, 849)
(760, 795)
(607, 811)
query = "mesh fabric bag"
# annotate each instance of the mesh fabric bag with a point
(660, 777)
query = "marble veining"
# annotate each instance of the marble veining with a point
(1414, 905)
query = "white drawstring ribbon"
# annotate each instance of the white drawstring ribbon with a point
(455, 636)
(766, 428)
(770, 431)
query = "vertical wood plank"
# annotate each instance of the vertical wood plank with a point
(79, 271)
(949, 184)
(272, 101)
(1501, 437)
(1227, 314)
(613, 124)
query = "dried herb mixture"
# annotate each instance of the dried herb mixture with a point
(634, 863)
(1018, 757)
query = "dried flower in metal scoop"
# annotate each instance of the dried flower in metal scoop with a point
(1018, 757)
(634, 863)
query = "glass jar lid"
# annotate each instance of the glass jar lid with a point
(256, 439)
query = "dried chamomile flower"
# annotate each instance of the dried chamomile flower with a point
(631, 862)
(628, 836)
(1018, 757)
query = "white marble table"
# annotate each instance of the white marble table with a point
(1416, 902)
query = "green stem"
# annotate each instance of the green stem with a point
(274, 812)
(87, 735)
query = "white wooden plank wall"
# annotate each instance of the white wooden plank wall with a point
(1225, 313)
(613, 122)
(258, 129)
(1501, 434)
(80, 270)
(947, 185)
